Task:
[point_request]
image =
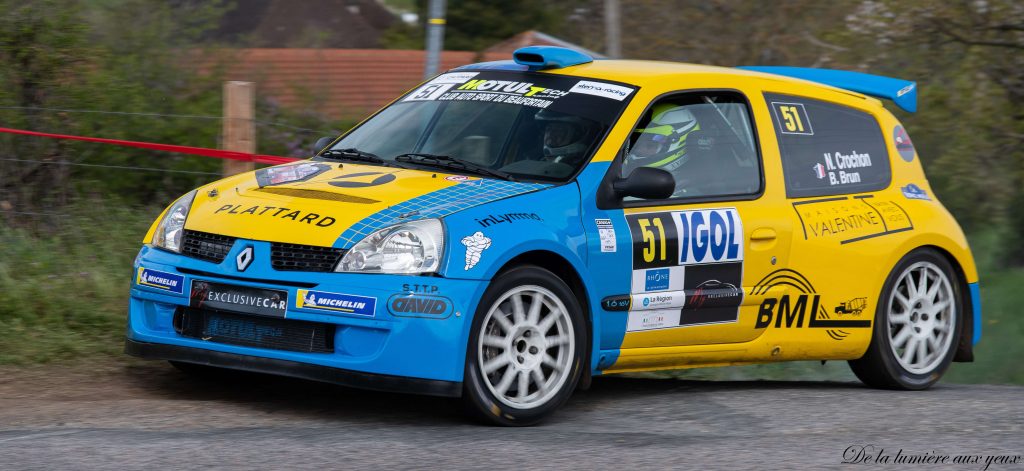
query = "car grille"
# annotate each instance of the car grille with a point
(206, 246)
(255, 331)
(294, 257)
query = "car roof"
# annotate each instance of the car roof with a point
(647, 72)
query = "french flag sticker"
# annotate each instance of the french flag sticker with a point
(819, 171)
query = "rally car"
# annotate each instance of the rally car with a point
(507, 230)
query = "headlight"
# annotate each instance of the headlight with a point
(169, 231)
(413, 247)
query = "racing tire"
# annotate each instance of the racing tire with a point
(917, 325)
(525, 351)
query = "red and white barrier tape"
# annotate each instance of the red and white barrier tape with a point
(202, 151)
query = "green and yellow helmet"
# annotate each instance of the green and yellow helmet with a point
(662, 144)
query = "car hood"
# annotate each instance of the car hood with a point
(335, 205)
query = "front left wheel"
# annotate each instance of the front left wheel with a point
(526, 348)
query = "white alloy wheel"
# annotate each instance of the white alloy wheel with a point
(526, 347)
(922, 315)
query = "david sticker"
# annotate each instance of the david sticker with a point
(336, 302)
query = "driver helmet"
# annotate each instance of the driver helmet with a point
(662, 144)
(565, 136)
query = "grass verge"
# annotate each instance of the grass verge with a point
(64, 282)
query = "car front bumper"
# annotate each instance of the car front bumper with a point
(390, 348)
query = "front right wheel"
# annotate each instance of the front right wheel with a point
(917, 325)
(525, 352)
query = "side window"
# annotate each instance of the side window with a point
(705, 140)
(828, 149)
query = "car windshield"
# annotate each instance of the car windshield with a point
(531, 126)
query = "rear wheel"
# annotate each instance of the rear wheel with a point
(917, 325)
(525, 348)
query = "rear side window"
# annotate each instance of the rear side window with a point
(828, 149)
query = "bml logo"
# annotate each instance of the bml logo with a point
(244, 258)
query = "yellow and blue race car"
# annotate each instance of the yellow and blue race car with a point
(507, 230)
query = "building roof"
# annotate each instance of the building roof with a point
(341, 83)
(351, 83)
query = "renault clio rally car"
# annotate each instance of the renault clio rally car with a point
(507, 230)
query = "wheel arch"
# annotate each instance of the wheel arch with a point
(965, 344)
(564, 270)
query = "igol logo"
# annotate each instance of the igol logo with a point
(419, 306)
(714, 235)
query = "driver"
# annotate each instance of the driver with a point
(662, 144)
(565, 137)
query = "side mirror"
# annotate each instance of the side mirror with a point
(647, 183)
(321, 143)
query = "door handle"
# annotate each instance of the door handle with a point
(763, 234)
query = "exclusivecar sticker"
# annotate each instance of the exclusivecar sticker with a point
(336, 302)
(238, 298)
(687, 268)
(475, 246)
(160, 280)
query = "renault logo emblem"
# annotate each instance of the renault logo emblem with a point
(244, 258)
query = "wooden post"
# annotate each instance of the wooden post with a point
(239, 127)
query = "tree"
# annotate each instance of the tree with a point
(968, 58)
(474, 25)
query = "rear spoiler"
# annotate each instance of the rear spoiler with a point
(901, 92)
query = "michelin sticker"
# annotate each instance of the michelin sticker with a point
(336, 302)
(475, 246)
(606, 232)
(160, 280)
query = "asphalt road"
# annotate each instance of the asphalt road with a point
(135, 415)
